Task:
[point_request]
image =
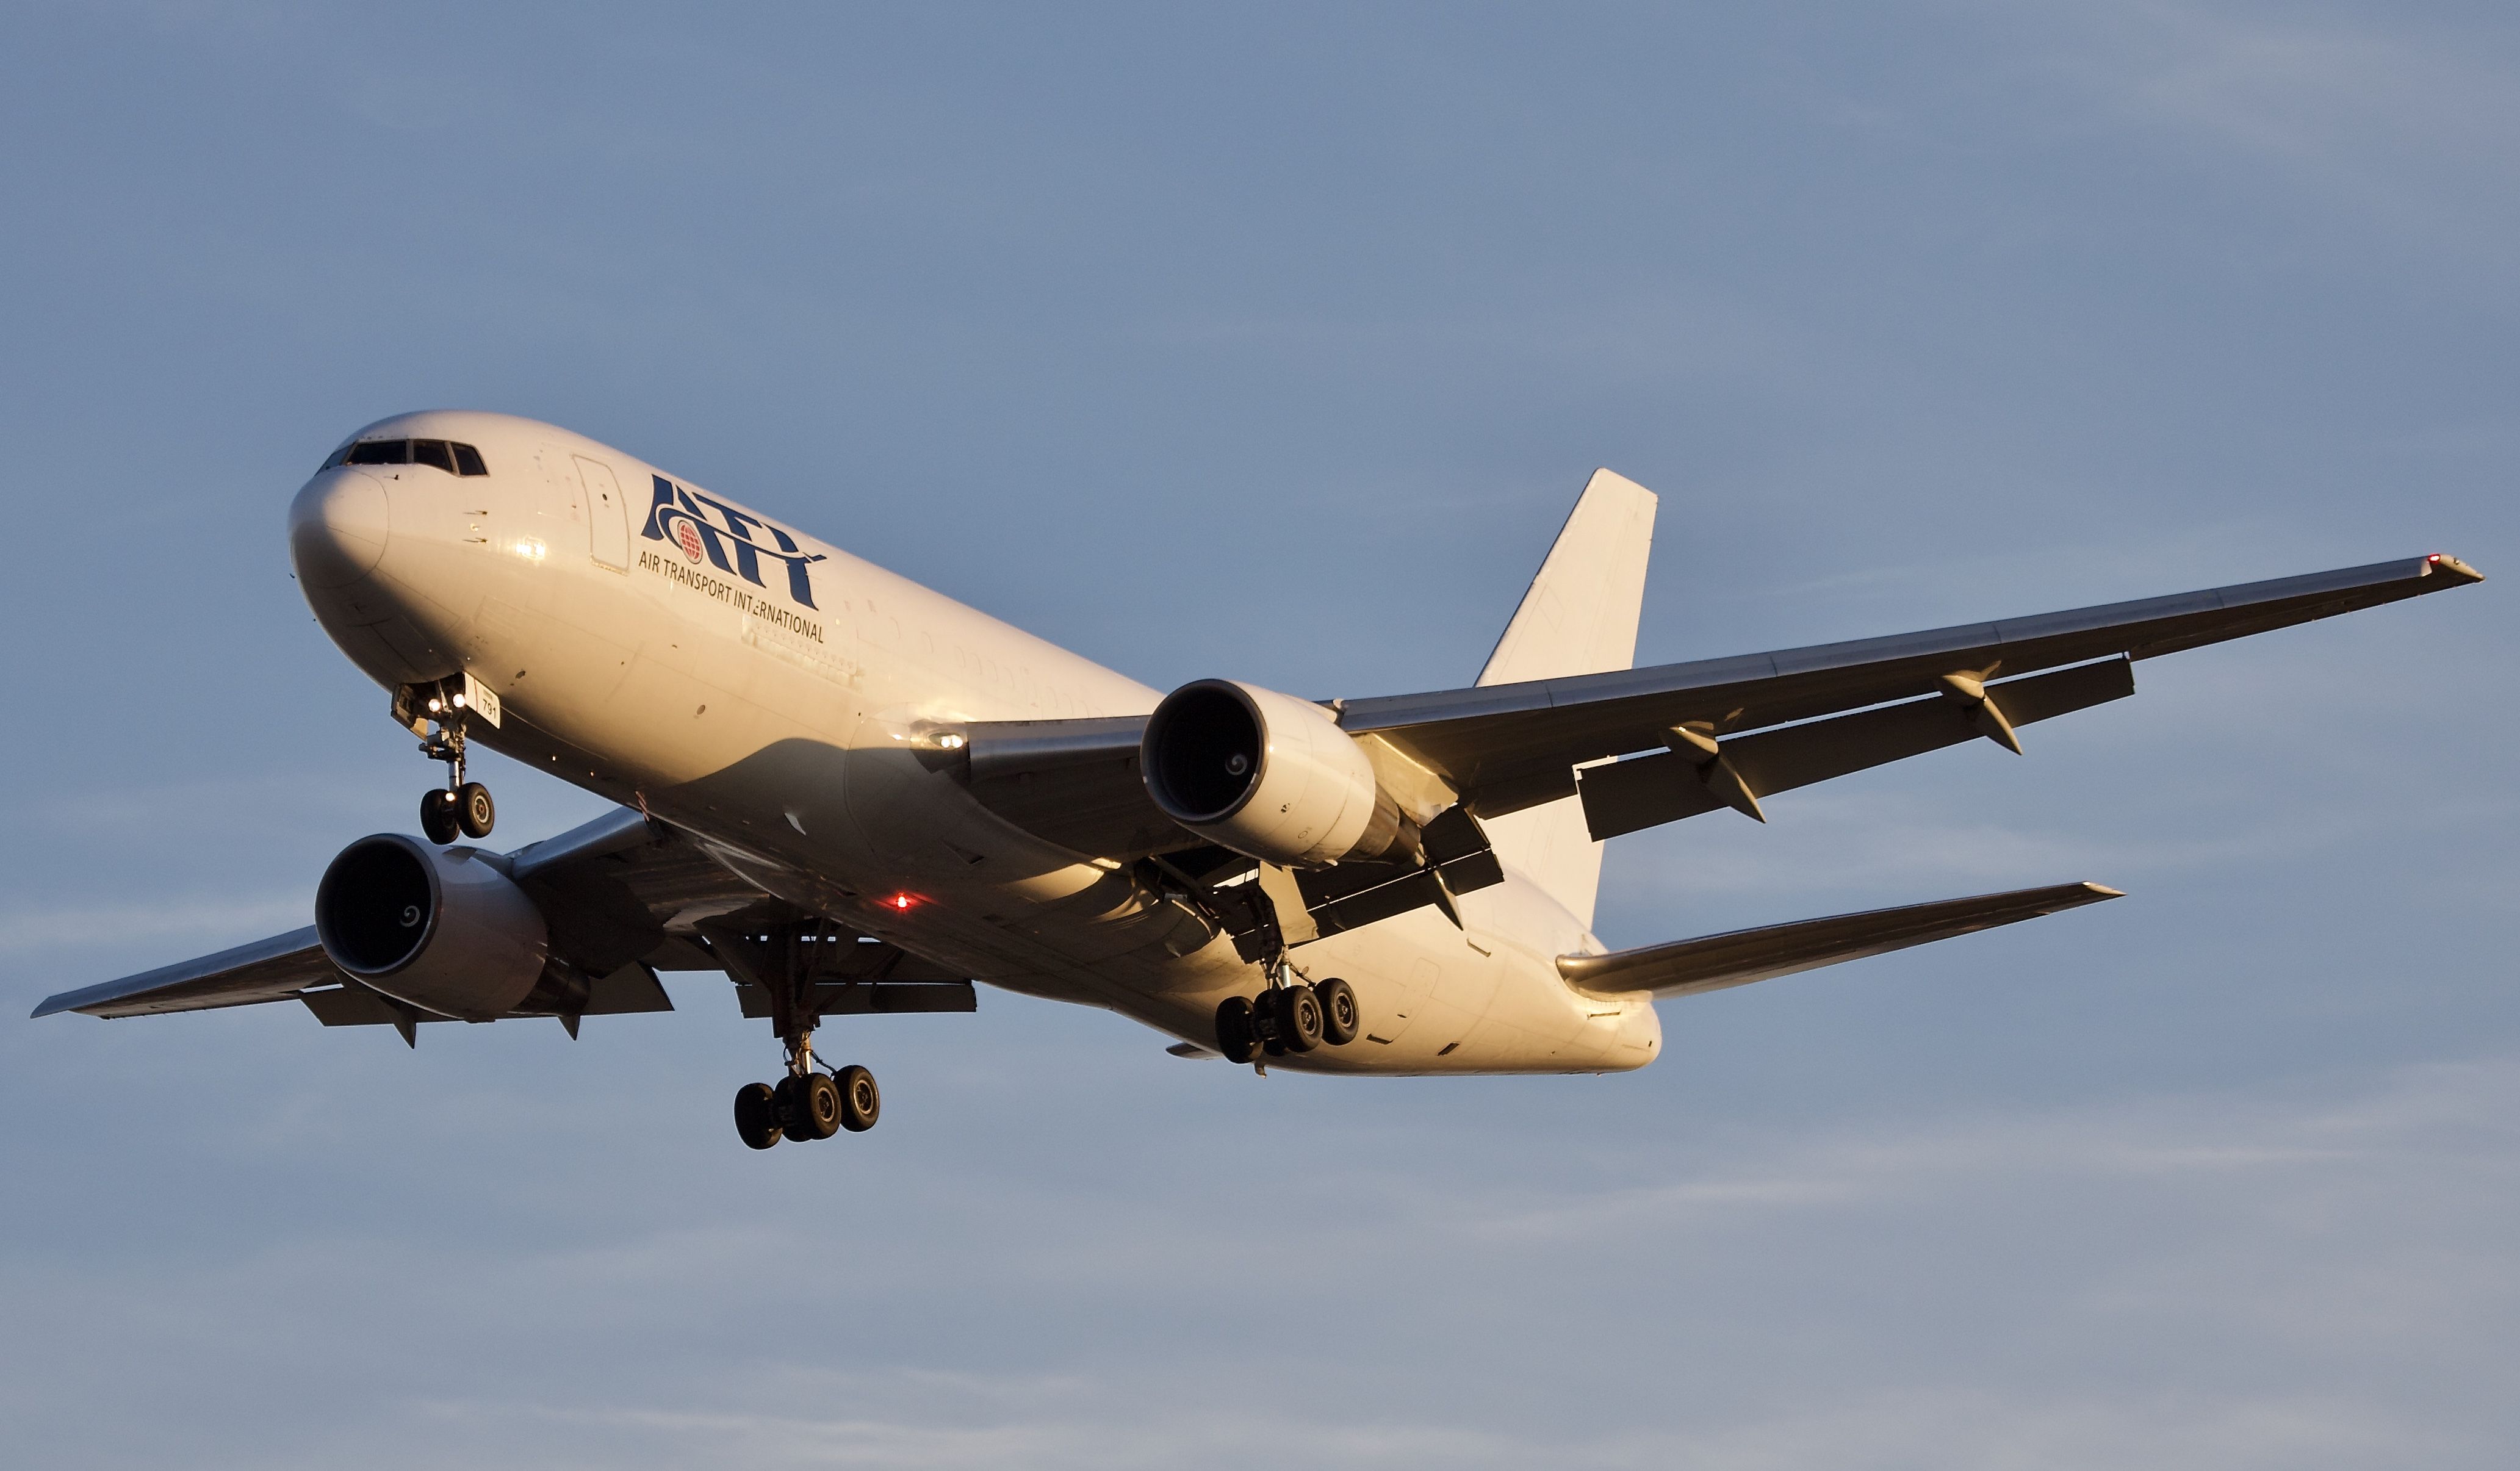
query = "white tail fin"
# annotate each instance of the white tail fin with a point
(1580, 617)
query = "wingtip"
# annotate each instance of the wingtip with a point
(2102, 891)
(2458, 570)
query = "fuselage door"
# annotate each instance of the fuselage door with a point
(607, 519)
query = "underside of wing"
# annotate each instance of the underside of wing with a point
(1075, 782)
(1712, 963)
(267, 970)
(620, 899)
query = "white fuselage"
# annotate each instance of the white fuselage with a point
(764, 693)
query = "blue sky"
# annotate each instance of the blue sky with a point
(1274, 343)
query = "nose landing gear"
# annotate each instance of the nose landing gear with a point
(438, 715)
(461, 810)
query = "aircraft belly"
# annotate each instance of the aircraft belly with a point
(1430, 1005)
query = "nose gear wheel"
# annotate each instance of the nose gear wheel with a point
(437, 816)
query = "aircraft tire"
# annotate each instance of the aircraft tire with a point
(1235, 1039)
(755, 1118)
(813, 1107)
(437, 818)
(861, 1103)
(1299, 1018)
(783, 1102)
(475, 812)
(1341, 1020)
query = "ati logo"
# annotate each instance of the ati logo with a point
(693, 530)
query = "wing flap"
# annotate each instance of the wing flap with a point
(1712, 963)
(1629, 796)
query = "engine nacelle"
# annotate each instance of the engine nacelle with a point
(438, 928)
(1266, 774)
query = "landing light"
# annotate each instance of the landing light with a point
(435, 704)
(951, 741)
(459, 702)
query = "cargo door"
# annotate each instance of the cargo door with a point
(607, 518)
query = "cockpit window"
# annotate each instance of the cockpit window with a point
(448, 456)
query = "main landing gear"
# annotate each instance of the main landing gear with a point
(1288, 1016)
(436, 714)
(805, 1104)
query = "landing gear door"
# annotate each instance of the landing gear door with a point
(482, 700)
(607, 518)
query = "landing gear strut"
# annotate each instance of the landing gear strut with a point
(438, 715)
(805, 1104)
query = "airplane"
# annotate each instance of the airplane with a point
(854, 796)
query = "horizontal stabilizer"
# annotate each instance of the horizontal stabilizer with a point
(1712, 963)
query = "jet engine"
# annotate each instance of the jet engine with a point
(437, 928)
(1268, 776)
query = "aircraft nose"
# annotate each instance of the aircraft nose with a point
(336, 527)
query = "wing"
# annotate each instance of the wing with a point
(1509, 747)
(1720, 732)
(622, 897)
(266, 970)
(1712, 963)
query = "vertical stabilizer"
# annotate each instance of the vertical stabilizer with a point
(1579, 617)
